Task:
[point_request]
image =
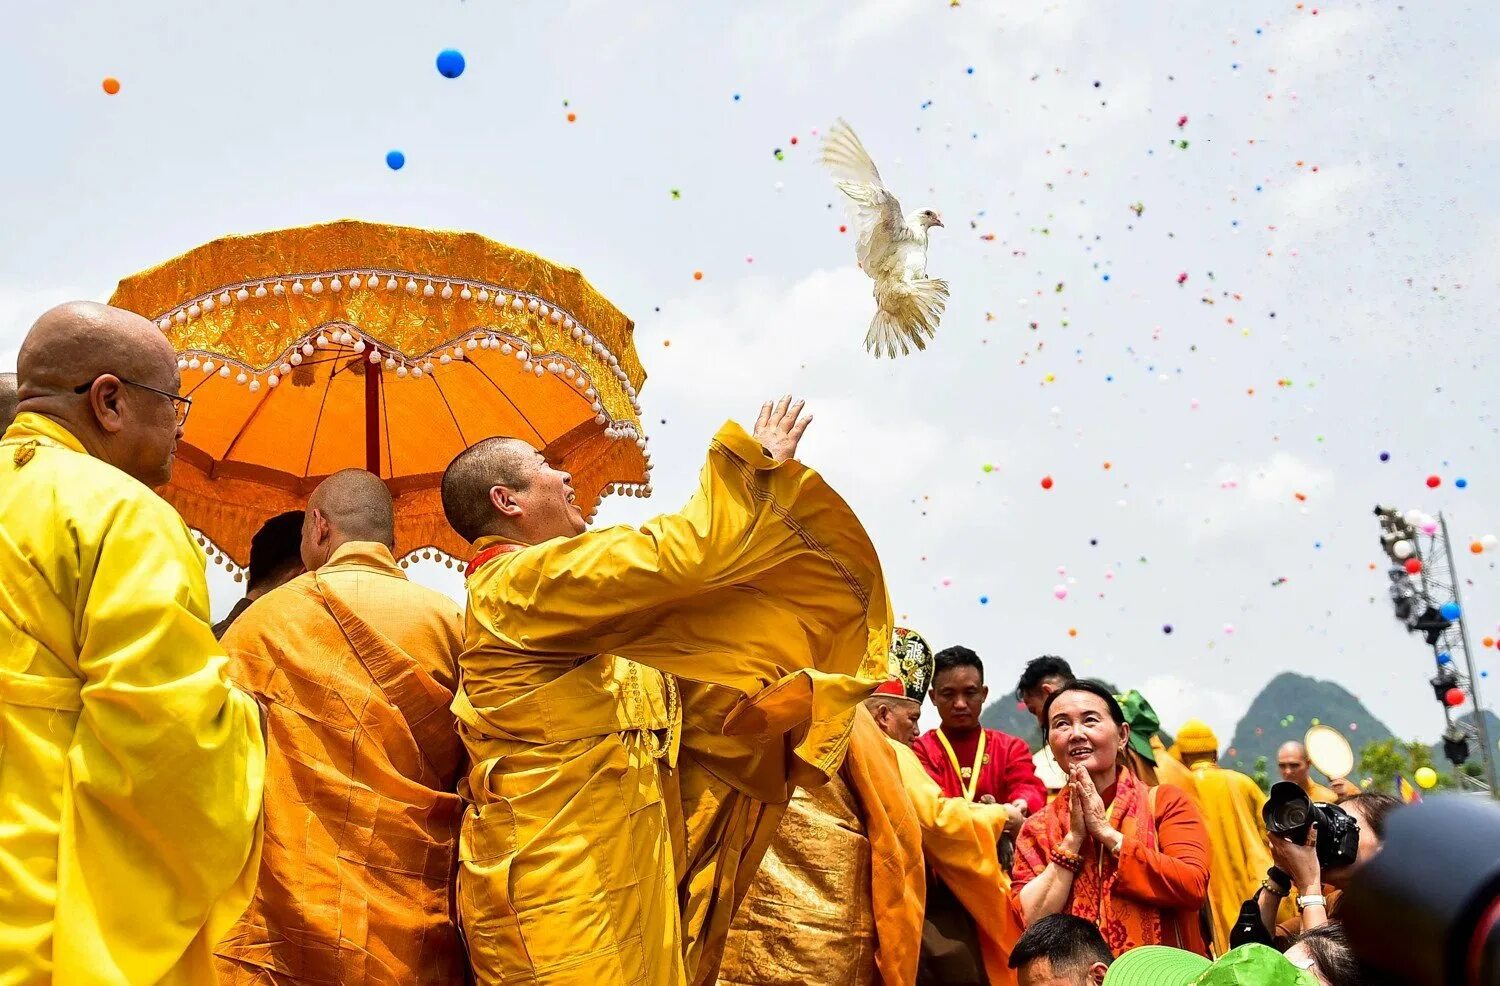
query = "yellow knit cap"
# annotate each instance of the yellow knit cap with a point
(1195, 737)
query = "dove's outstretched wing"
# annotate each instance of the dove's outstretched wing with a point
(875, 211)
(847, 158)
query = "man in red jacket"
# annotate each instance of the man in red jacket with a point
(967, 760)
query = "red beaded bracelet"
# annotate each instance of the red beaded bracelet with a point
(1070, 861)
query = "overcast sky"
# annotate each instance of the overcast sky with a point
(1332, 205)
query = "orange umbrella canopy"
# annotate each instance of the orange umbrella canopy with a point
(386, 348)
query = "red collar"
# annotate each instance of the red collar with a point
(489, 554)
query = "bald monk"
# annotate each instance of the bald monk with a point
(1295, 766)
(130, 779)
(356, 666)
(618, 814)
(8, 400)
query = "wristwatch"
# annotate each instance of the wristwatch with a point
(1311, 900)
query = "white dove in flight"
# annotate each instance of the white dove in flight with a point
(892, 249)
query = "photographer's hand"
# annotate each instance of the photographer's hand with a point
(1299, 862)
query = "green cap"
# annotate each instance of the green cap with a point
(1143, 722)
(1248, 965)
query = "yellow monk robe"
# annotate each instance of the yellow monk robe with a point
(130, 769)
(587, 856)
(840, 896)
(356, 666)
(1231, 804)
(960, 841)
(1170, 770)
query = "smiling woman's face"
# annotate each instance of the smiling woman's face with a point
(1080, 731)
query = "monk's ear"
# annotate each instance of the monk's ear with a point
(503, 499)
(1096, 973)
(107, 399)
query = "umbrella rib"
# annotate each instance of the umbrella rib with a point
(385, 419)
(444, 397)
(534, 430)
(312, 444)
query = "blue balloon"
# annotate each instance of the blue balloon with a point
(395, 160)
(984, 600)
(1460, 482)
(1450, 611)
(1445, 658)
(450, 63)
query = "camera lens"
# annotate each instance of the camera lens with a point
(1291, 815)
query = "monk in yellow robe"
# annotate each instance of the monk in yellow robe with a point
(1231, 804)
(130, 768)
(357, 668)
(1295, 766)
(617, 818)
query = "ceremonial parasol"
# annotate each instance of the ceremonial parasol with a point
(387, 348)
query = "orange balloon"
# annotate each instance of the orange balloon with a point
(1073, 631)
(1476, 547)
(1488, 641)
(111, 85)
(572, 117)
(697, 275)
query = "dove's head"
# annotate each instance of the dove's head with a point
(926, 219)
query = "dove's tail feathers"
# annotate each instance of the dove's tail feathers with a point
(908, 316)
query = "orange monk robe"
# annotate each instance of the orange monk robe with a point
(1170, 770)
(617, 820)
(1231, 804)
(356, 665)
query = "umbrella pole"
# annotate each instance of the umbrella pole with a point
(372, 418)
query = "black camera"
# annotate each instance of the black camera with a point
(1290, 813)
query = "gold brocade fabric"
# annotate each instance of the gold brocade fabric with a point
(251, 450)
(618, 819)
(356, 667)
(130, 769)
(807, 917)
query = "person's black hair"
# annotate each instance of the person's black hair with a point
(1038, 670)
(1374, 808)
(957, 656)
(1093, 688)
(275, 547)
(1330, 949)
(1067, 942)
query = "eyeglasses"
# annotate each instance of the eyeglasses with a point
(182, 405)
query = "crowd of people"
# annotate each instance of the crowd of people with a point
(681, 753)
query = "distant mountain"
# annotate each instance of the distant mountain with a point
(1010, 716)
(1286, 707)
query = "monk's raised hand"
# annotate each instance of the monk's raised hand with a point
(780, 426)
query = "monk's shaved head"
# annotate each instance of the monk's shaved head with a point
(350, 505)
(120, 359)
(76, 342)
(358, 505)
(1292, 750)
(1293, 762)
(7, 400)
(508, 462)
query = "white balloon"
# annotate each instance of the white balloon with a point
(1489, 541)
(1401, 549)
(1413, 517)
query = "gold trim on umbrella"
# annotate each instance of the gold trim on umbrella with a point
(423, 341)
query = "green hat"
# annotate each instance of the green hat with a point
(1143, 723)
(1248, 965)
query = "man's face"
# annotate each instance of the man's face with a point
(547, 503)
(1040, 972)
(959, 694)
(147, 442)
(898, 720)
(1293, 767)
